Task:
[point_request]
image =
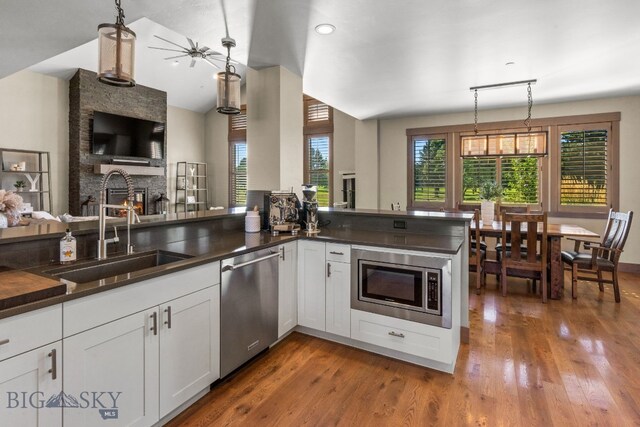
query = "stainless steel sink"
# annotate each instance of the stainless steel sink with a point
(116, 266)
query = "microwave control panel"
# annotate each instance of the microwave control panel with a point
(433, 291)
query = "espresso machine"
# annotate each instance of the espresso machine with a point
(283, 211)
(310, 209)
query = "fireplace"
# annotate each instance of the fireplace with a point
(118, 196)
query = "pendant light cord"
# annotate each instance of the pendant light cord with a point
(475, 110)
(527, 121)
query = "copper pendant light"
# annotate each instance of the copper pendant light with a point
(116, 55)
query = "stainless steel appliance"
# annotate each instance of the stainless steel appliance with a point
(405, 285)
(249, 307)
(283, 211)
(310, 209)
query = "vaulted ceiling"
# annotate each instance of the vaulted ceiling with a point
(386, 58)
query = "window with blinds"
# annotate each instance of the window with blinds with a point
(584, 167)
(318, 133)
(238, 159)
(518, 176)
(429, 171)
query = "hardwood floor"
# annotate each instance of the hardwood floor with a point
(566, 363)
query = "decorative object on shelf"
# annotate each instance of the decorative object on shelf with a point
(162, 204)
(90, 207)
(33, 180)
(529, 143)
(20, 185)
(195, 51)
(116, 56)
(489, 192)
(10, 204)
(191, 192)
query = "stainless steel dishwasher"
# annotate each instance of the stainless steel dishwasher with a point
(249, 307)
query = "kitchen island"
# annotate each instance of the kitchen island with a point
(314, 296)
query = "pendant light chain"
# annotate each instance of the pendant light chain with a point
(120, 18)
(527, 121)
(475, 110)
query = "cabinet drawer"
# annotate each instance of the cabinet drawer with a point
(401, 335)
(338, 253)
(30, 330)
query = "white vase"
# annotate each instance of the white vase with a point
(487, 209)
(3, 220)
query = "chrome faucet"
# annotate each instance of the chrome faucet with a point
(132, 217)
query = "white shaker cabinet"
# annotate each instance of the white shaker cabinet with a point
(311, 284)
(287, 292)
(189, 347)
(338, 298)
(27, 382)
(120, 359)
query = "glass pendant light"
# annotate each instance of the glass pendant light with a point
(116, 55)
(228, 84)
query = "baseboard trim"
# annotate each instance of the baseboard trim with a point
(464, 334)
(627, 267)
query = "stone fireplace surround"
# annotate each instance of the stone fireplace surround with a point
(87, 95)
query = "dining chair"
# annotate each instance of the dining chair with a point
(477, 254)
(531, 264)
(600, 256)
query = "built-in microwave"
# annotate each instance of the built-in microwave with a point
(406, 285)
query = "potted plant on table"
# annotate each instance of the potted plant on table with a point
(489, 192)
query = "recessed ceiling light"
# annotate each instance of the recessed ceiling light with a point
(175, 63)
(325, 29)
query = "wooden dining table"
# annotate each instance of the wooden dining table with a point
(555, 233)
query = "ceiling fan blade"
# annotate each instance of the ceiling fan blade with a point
(169, 41)
(169, 50)
(203, 49)
(193, 63)
(179, 56)
(193, 46)
(214, 53)
(211, 63)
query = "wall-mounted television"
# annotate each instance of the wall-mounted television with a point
(115, 135)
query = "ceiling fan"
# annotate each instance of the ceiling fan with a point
(195, 51)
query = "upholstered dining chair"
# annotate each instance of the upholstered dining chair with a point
(531, 263)
(600, 256)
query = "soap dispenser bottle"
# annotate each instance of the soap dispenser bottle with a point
(67, 248)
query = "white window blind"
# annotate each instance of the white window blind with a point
(238, 175)
(583, 167)
(474, 173)
(429, 169)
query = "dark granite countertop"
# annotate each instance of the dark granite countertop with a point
(447, 216)
(227, 244)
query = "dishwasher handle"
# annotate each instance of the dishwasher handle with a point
(232, 267)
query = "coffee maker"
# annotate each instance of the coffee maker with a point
(283, 211)
(310, 209)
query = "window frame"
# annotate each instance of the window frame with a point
(411, 203)
(612, 192)
(317, 129)
(549, 165)
(235, 137)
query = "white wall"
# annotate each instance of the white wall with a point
(344, 136)
(34, 115)
(367, 164)
(217, 156)
(185, 143)
(393, 152)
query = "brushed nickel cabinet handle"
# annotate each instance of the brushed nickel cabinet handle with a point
(328, 269)
(54, 364)
(4, 341)
(282, 253)
(396, 334)
(168, 321)
(154, 327)
(336, 253)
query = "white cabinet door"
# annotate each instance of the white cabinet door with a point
(189, 347)
(339, 298)
(311, 292)
(287, 292)
(27, 383)
(113, 371)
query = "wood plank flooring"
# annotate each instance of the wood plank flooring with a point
(566, 363)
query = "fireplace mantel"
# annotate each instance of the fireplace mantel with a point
(101, 169)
